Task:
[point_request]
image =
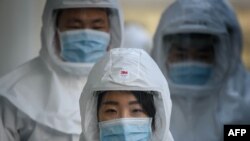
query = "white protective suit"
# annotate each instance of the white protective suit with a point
(40, 99)
(136, 36)
(199, 112)
(143, 75)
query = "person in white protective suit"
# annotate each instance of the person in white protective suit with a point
(198, 47)
(126, 98)
(137, 36)
(39, 100)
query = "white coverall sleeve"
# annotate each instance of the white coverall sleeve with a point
(13, 123)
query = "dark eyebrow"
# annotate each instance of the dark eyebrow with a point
(179, 48)
(74, 21)
(110, 103)
(133, 102)
(96, 21)
(116, 103)
(205, 49)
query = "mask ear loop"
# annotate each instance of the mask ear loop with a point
(58, 44)
(167, 46)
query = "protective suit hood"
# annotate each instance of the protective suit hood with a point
(49, 29)
(185, 16)
(141, 74)
(48, 89)
(200, 112)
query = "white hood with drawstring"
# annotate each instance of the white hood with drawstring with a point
(46, 90)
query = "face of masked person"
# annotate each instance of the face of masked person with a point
(122, 117)
(83, 34)
(190, 59)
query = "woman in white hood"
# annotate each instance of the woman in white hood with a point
(198, 47)
(126, 98)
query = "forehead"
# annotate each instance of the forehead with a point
(119, 96)
(83, 12)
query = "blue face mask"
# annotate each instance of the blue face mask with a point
(83, 46)
(190, 73)
(126, 129)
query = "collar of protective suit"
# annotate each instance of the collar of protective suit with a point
(48, 89)
(48, 97)
(126, 69)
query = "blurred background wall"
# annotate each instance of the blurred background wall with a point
(21, 23)
(19, 32)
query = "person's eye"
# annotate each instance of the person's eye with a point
(181, 56)
(204, 56)
(137, 111)
(73, 27)
(110, 111)
(98, 27)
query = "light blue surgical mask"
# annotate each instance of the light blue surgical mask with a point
(190, 73)
(126, 129)
(83, 46)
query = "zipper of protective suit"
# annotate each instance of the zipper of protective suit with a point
(190, 118)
